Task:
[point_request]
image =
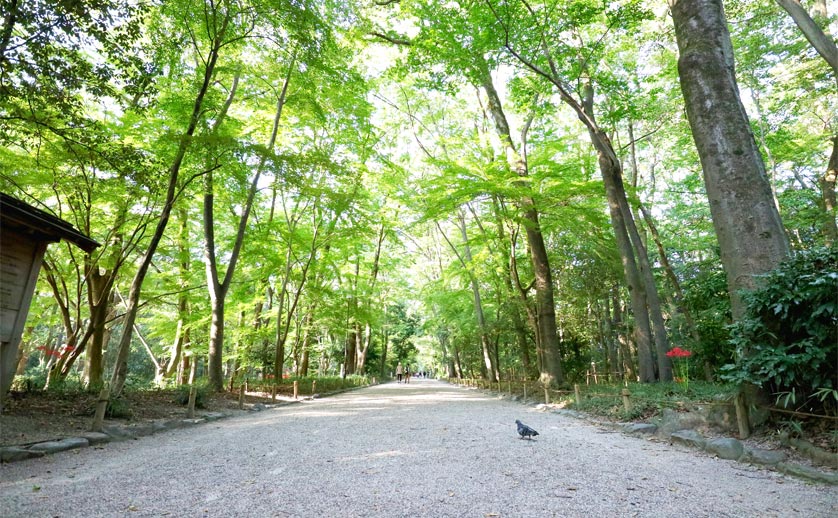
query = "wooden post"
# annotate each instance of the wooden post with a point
(313, 387)
(577, 393)
(273, 392)
(190, 409)
(742, 416)
(241, 396)
(525, 390)
(546, 395)
(626, 399)
(296, 389)
(510, 386)
(101, 407)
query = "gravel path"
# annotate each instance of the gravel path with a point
(424, 449)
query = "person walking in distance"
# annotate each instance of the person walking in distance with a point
(407, 374)
(399, 372)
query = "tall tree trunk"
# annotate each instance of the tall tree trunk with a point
(751, 237)
(670, 275)
(350, 348)
(637, 292)
(120, 371)
(653, 301)
(827, 186)
(551, 373)
(611, 339)
(180, 341)
(305, 353)
(532, 316)
(219, 288)
(817, 37)
(385, 344)
(627, 352)
(362, 354)
(489, 367)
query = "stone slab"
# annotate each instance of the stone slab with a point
(689, 438)
(96, 437)
(725, 448)
(16, 453)
(68, 443)
(765, 457)
(641, 428)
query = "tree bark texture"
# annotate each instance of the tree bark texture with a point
(827, 185)
(751, 236)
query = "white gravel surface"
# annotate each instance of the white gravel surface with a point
(423, 449)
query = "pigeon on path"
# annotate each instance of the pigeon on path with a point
(525, 431)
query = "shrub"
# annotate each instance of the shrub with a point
(787, 343)
(202, 392)
(119, 408)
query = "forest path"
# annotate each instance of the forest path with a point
(423, 449)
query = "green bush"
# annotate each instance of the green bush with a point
(118, 408)
(201, 394)
(787, 343)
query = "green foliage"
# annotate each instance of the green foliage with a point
(118, 408)
(705, 295)
(647, 399)
(788, 341)
(202, 392)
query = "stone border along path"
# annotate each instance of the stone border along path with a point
(423, 449)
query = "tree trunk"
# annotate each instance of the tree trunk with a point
(488, 367)
(637, 291)
(624, 345)
(822, 43)
(670, 275)
(120, 372)
(98, 318)
(218, 290)
(385, 342)
(551, 373)
(307, 334)
(532, 316)
(827, 185)
(751, 237)
(181, 335)
(367, 341)
(350, 348)
(653, 301)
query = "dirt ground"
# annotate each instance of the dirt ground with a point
(36, 416)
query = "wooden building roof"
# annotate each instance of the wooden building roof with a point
(41, 225)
